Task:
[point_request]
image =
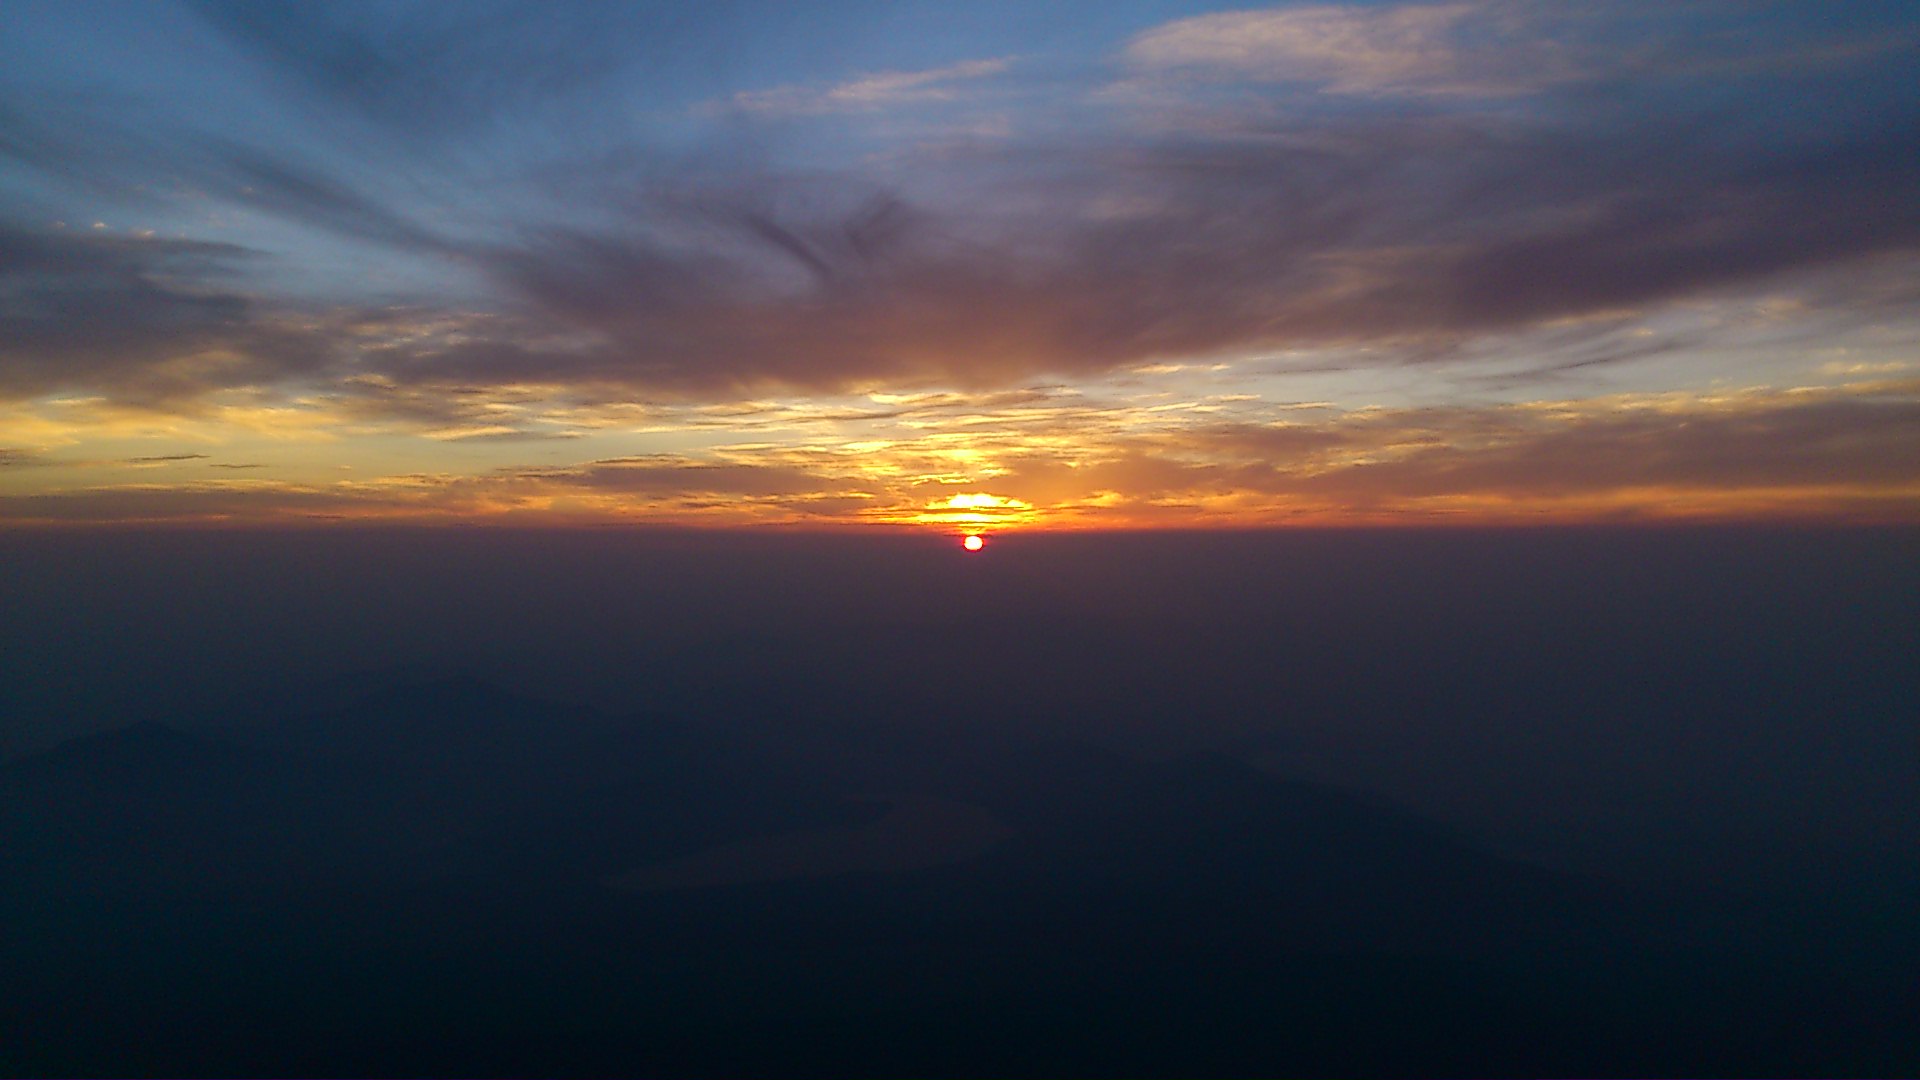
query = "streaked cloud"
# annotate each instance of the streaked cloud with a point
(1447, 48)
(872, 91)
(1246, 265)
(1849, 450)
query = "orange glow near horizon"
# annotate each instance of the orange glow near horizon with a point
(1806, 453)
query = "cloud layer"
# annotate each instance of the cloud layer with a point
(402, 240)
(1846, 451)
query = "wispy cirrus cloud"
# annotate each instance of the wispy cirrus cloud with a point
(872, 91)
(149, 318)
(431, 74)
(1235, 248)
(1403, 232)
(1446, 48)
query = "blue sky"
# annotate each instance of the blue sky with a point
(1061, 264)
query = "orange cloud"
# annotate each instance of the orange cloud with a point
(1850, 451)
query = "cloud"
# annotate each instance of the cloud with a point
(1834, 442)
(433, 74)
(1838, 452)
(315, 198)
(1449, 48)
(142, 318)
(666, 476)
(190, 504)
(15, 456)
(499, 433)
(1802, 444)
(1494, 48)
(1411, 235)
(660, 488)
(125, 151)
(1405, 229)
(870, 92)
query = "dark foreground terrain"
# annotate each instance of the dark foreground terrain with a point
(1419, 804)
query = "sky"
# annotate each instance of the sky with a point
(989, 266)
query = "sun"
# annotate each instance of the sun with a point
(973, 542)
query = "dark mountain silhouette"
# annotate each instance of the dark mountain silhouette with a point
(440, 876)
(152, 807)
